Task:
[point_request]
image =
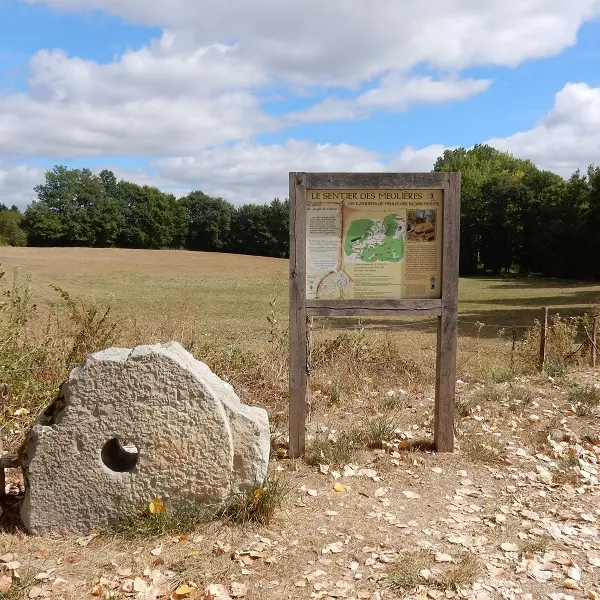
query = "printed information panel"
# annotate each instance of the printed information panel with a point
(373, 244)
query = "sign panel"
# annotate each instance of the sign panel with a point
(374, 244)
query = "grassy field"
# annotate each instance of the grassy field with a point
(218, 306)
(372, 408)
(229, 293)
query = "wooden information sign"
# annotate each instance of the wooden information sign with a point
(374, 244)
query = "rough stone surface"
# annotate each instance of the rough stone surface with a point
(196, 441)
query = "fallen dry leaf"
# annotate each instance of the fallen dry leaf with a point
(508, 547)
(238, 590)
(5, 583)
(184, 590)
(157, 506)
(441, 557)
(139, 585)
(411, 495)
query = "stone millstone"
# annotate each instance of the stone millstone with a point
(196, 442)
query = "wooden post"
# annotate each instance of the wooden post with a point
(445, 381)
(594, 340)
(2, 475)
(543, 334)
(512, 349)
(299, 385)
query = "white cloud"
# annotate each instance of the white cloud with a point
(200, 83)
(417, 160)
(258, 173)
(144, 126)
(359, 39)
(395, 93)
(567, 138)
(17, 183)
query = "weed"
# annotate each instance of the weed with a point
(492, 393)
(405, 574)
(537, 545)
(585, 401)
(464, 406)
(20, 586)
(36, 351)
(557, 370)
(566, 472)
(460, 575)
(502, 374)
(258, 505)
(393, 401)
(483, 448)
(523, 395)
(178, 518)
(336, 395)
(379, 430)
(335, 451)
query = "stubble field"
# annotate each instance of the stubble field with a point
(511, 514)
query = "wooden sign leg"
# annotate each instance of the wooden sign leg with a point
(299, 384)
(445, 382)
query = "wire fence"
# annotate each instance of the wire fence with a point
(425, 324)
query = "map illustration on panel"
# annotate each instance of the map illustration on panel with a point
(375, 240)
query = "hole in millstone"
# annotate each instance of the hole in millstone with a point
(119, 457)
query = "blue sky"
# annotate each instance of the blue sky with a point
(228, 100)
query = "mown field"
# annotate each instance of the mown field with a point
(231, 312)
(219, 291)
(370, 512)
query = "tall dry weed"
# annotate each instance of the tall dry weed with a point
(39, 346)
(567, 344)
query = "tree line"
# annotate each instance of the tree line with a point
(514, 217)
(75, 207)
(518, 218)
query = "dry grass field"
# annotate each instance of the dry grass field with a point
(513, 513)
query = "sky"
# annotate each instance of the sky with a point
(229, 96)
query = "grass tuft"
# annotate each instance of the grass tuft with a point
(379, 430)
(178, 518)
(460, 575)
(260, 504)
(483, 448)
(406, 573)
(539, 545)
(585, 401)
(335, 451)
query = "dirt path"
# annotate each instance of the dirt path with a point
(514, 513)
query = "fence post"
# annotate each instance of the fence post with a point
(543, 335)
(512, 350)
(594, 340)
(2, 476)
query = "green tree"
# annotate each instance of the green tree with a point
(153, 219)
(73, 209)
(589, 260)
(278, 223)
(487, 175)
(250, 232)
(11, 233)
(209, 221)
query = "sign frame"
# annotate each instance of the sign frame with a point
(302, 310)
